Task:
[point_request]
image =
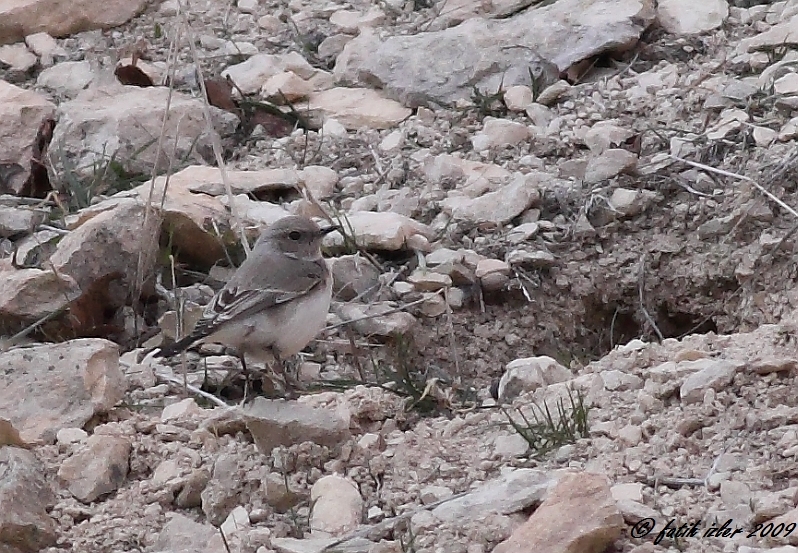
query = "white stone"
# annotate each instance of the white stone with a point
(382, 231)
(333, 127)
(251, 74)
(286, 86)
(237, 520)
(518, 98)
(689, 17)
(17, 56)
(357, 107)
(67, 78)
(337, 506)
(433, 494)
(530, 373)
(184, 408)
(247, 6)
(392, 142)
(44, 46)
(788, 84)
(608, 164)
(499, 132)
(71, 435)
(713, 374)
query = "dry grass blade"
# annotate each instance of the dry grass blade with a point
(758, 186)
(215, 140)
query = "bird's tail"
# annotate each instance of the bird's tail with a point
(177, 347)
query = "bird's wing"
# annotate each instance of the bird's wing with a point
(238, 300)
(234, 303)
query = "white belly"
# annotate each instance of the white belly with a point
(286, 330)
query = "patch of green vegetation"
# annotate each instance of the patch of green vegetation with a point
(547, 431)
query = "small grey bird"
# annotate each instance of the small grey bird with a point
(277, 300)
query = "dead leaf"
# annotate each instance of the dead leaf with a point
(132, 75)
(220, 95)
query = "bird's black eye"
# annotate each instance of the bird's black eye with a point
(294, 235)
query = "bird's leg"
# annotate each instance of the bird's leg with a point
(289, 383)
(246, 377)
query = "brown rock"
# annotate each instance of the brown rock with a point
(24, 495)
(189, 218)
(102, 256)
(578, 516)
(97, 469)
(19, 18)
(774, 364)
(191, 494)
(27, 295)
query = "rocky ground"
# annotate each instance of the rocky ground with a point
(576, 206)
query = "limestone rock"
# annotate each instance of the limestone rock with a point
(499, 132)
(250, 75)
(183, 534)
(356, 107)
(208, 180)
(354, 276)
(378, 231)
(472, 178)
(17, 57)
(44, 46)
(493, 274)
(15, 220)
(428, 281)
(444, 66)
(605, 135)
(686, 18)
(22, 113)
(375, 319)
(100, 467)
(501, 206)
(631, 202)
(102, 256)
(337, 506)
(708, 373)
(608, 164)
(25, 496)
(274, 423)
(513, 491)
(121, 122)
(529, 374)
(27, 295)
(578, 516)
(221, 495)
(59, 385)
(67, 78)
(19, 18)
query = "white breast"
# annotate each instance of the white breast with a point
(304, 322)
(286, 330)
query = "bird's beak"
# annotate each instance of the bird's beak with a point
(328, 230)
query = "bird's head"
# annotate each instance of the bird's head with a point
(296, 236)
